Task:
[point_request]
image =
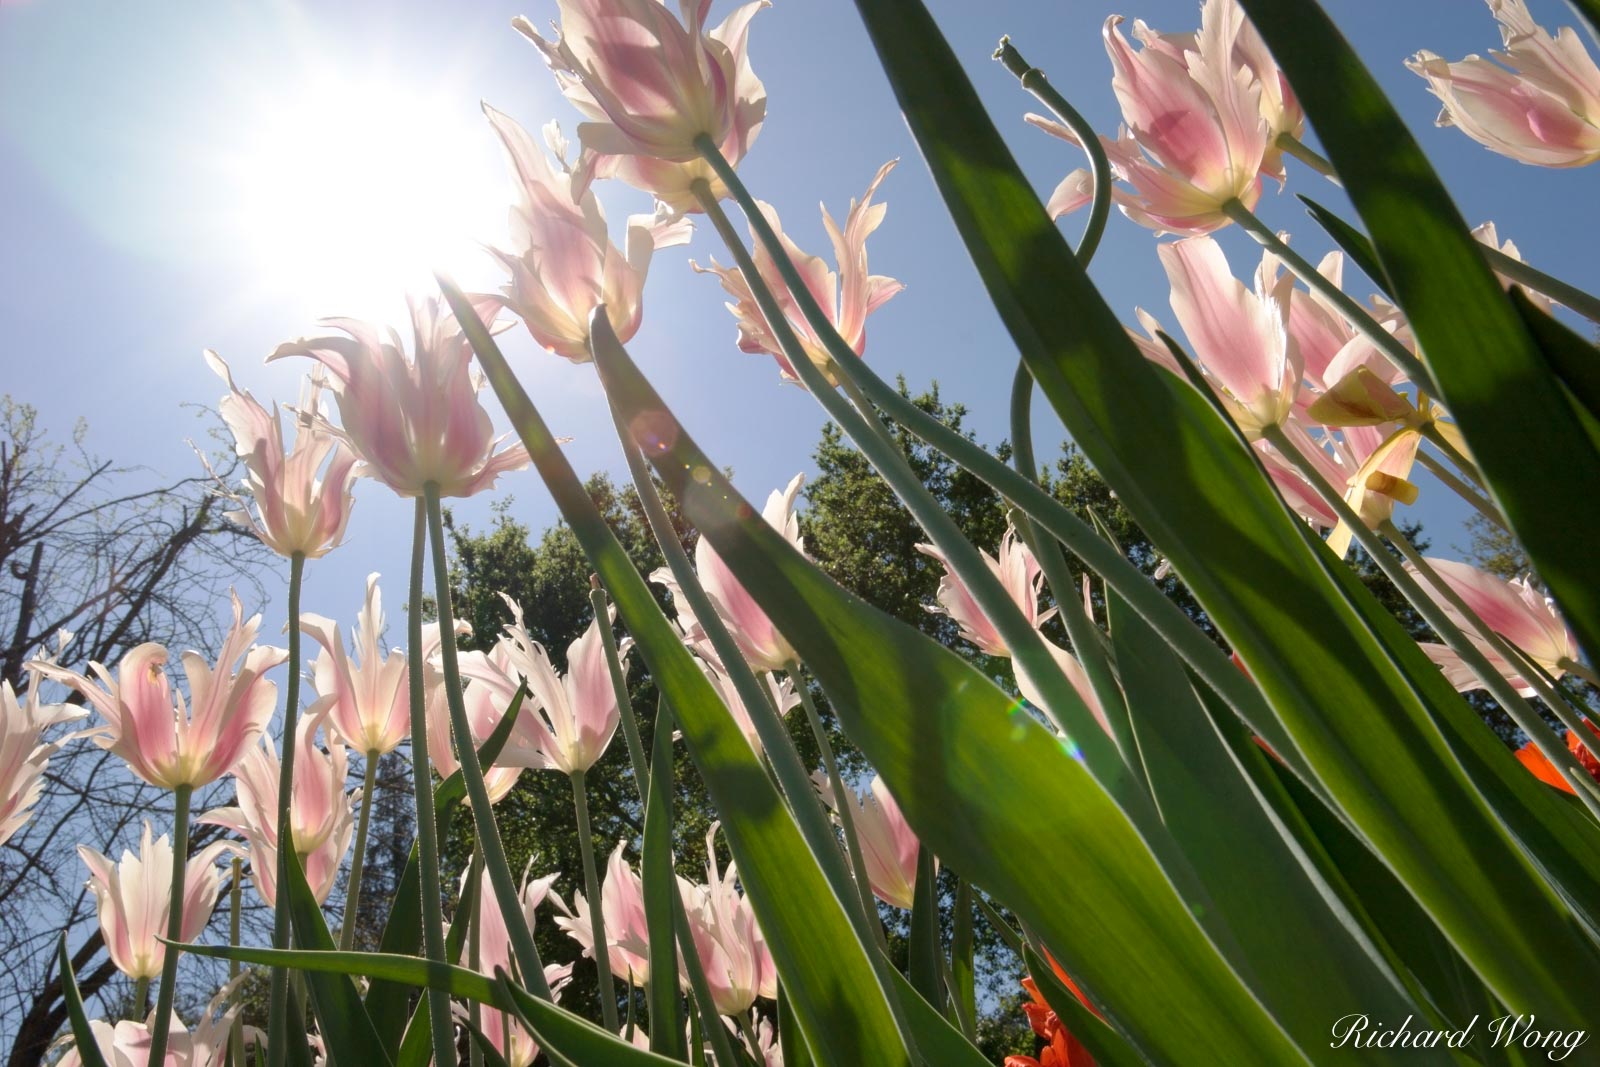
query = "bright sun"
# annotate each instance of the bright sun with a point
(346, 194)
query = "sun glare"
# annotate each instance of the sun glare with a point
(346, 194)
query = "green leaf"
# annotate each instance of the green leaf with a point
(342, 1020)
(963, 980)
(979, 779)
(1572, 359)
(416, 1048)
(926, 976)
(1541, 466)
(1351, 240)
(82, 1036)
(568, 1038)
(1108, 1048)
(837, 995)
(938, 1041)
(666, 1015)
(1364, 726)
(790, 1040)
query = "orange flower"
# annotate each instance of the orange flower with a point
(1545, 771)
(1061, 1048)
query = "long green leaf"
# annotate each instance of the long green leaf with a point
(838, 998)
(1352, 241)
(570, 1039)
(1572, 359)
(1541, 466)
(1363, 725)
(925, 951)
(953, 750)
(82, 1035)
(666, 1015)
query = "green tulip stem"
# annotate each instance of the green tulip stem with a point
(1354, 313)
(842, 800)
(591, 883)
(1459, 486)
(1561, 292)
(619, 686)
(422, 777)
(277, 1003)
(181, 795)
(1291, 145)
(474, 911)
(523, 950)
(235, 906)
(352, 897)
(1572, 666)
(1430, 432)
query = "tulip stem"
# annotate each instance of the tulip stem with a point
(169, 963)
(277, 1010)
(1572, 666)
(1034, 81)
(1432, 613)
(235, 901)
(1352, 311)
(864, 427)
(619, 685)
(442, 1028)
(1561, 292)
(1479, 503)
(352, 897)
(524, 950)
(475, 955)
(842, 802)
(141, 997)
(779, 749)
(748, 1031)
(597, 922)
(1288, 142)
(1430, 432)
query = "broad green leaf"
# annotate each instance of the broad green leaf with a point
(1362, 725)
(793, 1045)
(1108, 1047)
(980, 780)
(1541, 466)
(837, 995)
(925, 950)
(666, 1015)
(342, 1020)
(82, 1035)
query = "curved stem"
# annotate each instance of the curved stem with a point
(422, 777)
(169, 963)
(1478, 501)
(1570, 296)
(597, 921)
(1572, 666)
(1353, 312)
(1062, 703)
(1034, 81)
(1292, 145)
(619, 686)
(475, 955)
(842, 802)
(277, 1010)
(525, 952)
(1428, 607)
(352, 897)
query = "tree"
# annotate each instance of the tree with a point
(117, 557)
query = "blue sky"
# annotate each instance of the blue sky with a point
(181, 176)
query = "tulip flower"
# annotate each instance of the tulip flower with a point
(127, 1043)
(134, 896)
(847, 298)
(295, 512)
(321, 815)
(1488, 235)
(486, 704)
(494, 952)
(1240, 337)
(367, 703)
(23, 756)
(1541, 105)
(563, 263)
(644, 117)
(164, 744)
(622, 915)
(732, 950)
(888, 845)
(1542, 769)
(767, 1051)
(1017, 570)
(414, 422)
(1515, 610)
(763, 646)
(785, 698)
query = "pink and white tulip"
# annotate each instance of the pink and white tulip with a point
(127, 1043)
(732, 950)
(1016, 569)
(1515, 610)
(133, 898)
(1487, 234)
(23, 753)
(1539, 105)
(414, 422)
(486, 703)
(321, 814)
(644, 117)
(366, 702)
(170, 742)
(888, 845)
(757, 637)
(562, 261)
(494, 952)
(847, 298)
(301, 501)
(622, 909)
